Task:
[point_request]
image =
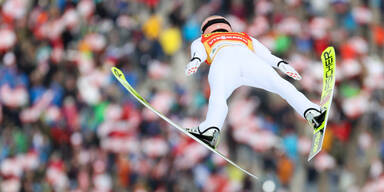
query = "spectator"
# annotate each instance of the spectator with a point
(67, 125)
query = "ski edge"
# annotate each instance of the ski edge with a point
(121, 78)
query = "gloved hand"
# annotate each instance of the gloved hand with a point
(192, 67)
(288, 70)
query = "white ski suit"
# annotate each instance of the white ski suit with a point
(236, 59)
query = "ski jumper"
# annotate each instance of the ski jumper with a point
(237, 59)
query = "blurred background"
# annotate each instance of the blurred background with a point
(67, 125)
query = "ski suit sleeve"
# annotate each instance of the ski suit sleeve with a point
(198, 51)
(265, 54)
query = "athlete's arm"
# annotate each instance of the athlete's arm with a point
(198, 51)
(198, 55)
(264, 53)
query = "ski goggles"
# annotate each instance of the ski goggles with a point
(214, 21)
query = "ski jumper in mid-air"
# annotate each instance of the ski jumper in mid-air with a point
(236, 59)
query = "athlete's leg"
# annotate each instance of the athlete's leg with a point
(258, 74)
(224, 78)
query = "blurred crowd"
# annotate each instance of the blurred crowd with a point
(67, 125)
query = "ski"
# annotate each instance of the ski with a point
(121, 78)
(328, 58)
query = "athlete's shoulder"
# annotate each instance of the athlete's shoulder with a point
(197, 43)
(196, 40)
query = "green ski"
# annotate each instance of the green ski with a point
(328, 58)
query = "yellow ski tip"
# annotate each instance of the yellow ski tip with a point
(328, 49)
(117, 73)
(327, 53)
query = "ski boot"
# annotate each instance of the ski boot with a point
(315, 117)
(210, 136)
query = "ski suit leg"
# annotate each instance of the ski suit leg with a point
(257, 73)
(224, 77)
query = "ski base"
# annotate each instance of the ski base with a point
(328, 58)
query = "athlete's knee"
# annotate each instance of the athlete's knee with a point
(217, 99)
